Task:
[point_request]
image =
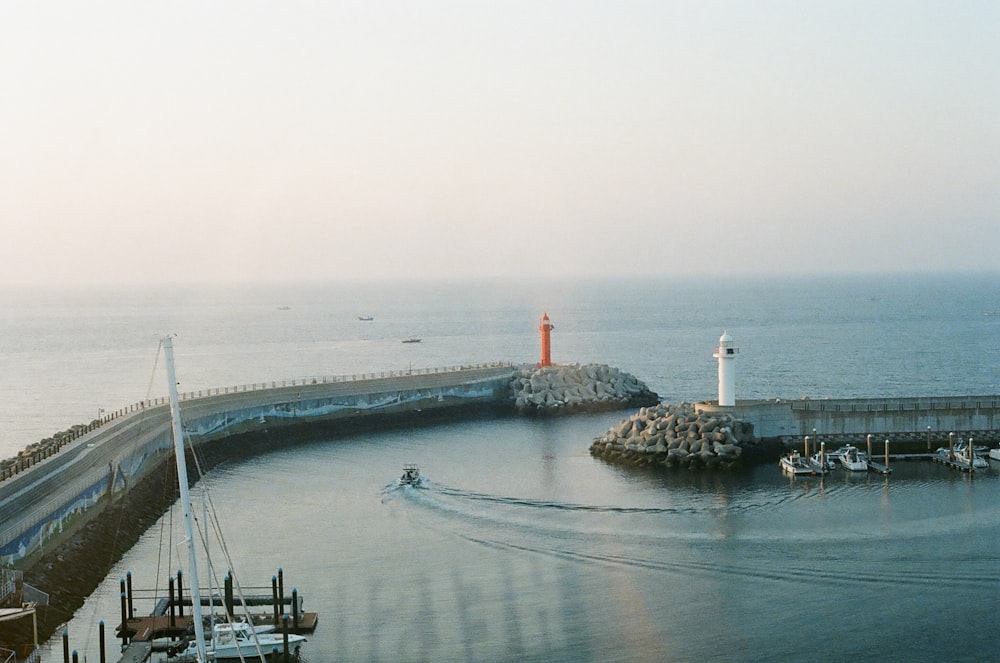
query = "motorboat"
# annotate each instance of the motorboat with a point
(411, 476)
(853, 459)
(240, 640)
(966, 453)
(366, 318)
(794, 463)
(822, 462)
(411, 339)
(995, 453)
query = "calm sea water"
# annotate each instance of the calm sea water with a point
(522, 547)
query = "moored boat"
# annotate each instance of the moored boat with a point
(822, 462)
(968, 454)
(794, 463)
(241, 641)
(852, 458)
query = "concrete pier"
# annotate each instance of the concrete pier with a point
(37, 500)
(844, 420)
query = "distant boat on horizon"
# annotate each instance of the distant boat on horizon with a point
(366, 318)
(411, 339)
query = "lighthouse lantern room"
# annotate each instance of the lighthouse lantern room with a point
(726, 354)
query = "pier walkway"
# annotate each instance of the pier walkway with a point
(41, 490)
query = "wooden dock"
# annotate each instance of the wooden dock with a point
(156, 627)
(953, 463)
(878, 468)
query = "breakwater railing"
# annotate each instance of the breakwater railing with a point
(39, 451)
(862, 405)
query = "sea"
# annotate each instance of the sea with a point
(520, 546)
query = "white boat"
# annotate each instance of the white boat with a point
(240, 640)
(852, 459)
(411, 476)
(966, 453)
(229, 640)
(794, 463)
(995, 454)
(822, 462)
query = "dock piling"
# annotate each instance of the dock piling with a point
(295, 609)
(284, 635)
(65, 643)
(124, 632)
(229, 595)
(128, 585)
(173, 609)
(281, 591)
(180, 593)
(100, 640)
(274, 597)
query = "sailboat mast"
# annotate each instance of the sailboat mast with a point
(182, 481)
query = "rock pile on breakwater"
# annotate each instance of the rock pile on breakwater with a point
(39, 451)
(575, 388)
(677, 436)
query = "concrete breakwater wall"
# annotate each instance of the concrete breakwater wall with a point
(707, 435)
(62, 479)
(64, 508)
(898, 419)
(43, 491)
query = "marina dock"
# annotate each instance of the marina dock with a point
(156, 627)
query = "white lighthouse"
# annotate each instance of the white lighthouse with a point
(726, 354)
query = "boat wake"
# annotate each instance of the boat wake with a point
(891, 572)
(777, 517)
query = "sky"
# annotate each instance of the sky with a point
(249, 141)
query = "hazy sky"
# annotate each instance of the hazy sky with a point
(290, 140)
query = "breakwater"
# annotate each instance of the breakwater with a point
(74, 503)
(678, 436)
(62, 478)
(851, 419)
(707, 435)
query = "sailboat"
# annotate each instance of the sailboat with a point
(230, 640)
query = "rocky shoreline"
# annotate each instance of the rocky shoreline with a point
(677, 436)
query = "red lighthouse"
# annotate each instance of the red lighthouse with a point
(545, 327)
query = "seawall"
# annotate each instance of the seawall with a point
(898, 419)
(73, 504)
(51, 492)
